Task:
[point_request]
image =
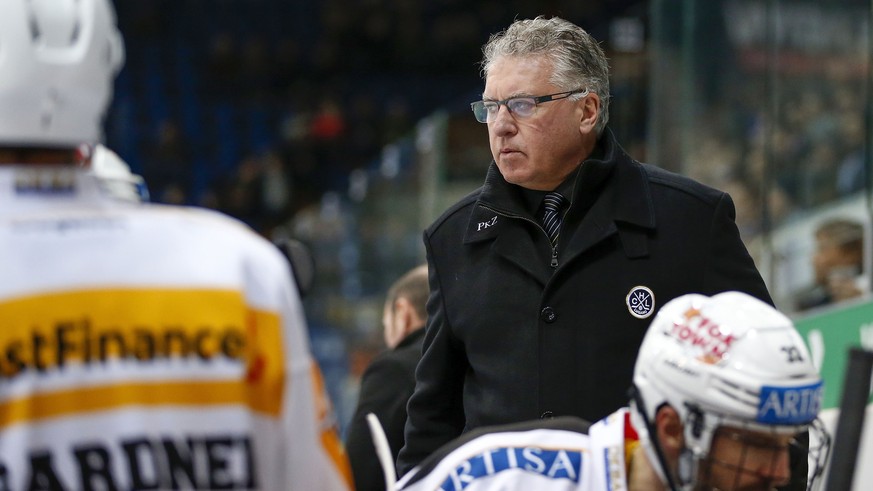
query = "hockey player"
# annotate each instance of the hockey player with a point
(722, 385)
(142, 346)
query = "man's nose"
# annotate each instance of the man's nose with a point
(504, 121)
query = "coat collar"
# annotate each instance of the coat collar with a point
(411, 338)
(625, 198)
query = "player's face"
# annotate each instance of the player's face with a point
(540, 150)
(744, 460)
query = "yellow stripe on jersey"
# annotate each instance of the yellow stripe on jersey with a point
(50, 332)
(330, 439)
(160, 393)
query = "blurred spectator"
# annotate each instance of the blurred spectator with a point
(328, 123)
(276, 190)
(838, 264)
(168, 167)
(255, 61)
(851, 175)
(222, 65)
(397, 120)
(240, 194)
(748, 206)
(819, 171)
(363, 138)
(327, 135)
(285, 64)
(300, 257)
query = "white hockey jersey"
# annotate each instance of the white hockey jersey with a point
(150, 347)
(561, 454)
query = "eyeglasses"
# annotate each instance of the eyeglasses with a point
(522, 107)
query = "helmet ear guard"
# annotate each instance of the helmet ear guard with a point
(648, 434)
(688, 458)
(687, 469)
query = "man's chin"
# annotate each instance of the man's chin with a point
(511, 176)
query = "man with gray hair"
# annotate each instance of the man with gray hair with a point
(544, 280)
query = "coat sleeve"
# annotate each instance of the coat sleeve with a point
(730, 265)
(435, 413)
(384, 393)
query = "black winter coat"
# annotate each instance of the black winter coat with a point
(509, 338)
(385, 388)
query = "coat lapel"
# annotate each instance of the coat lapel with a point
(511, 240)
(515, 245)
(624, 207)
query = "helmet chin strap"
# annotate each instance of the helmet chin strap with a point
(687, 467)
(655, 444)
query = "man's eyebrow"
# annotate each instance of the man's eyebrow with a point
(511, 96)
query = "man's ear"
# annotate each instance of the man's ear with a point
(670, 433)
(404, 315)
(590, 111)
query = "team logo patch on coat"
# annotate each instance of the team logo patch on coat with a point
(640, 302)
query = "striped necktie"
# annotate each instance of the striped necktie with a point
(553, 203)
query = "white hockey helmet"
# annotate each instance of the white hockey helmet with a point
(725, 360)
(58, 61)
(116, 178)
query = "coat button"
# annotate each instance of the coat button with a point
(548, 315)
(547, 415)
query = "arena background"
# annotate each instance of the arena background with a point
(345, 124)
